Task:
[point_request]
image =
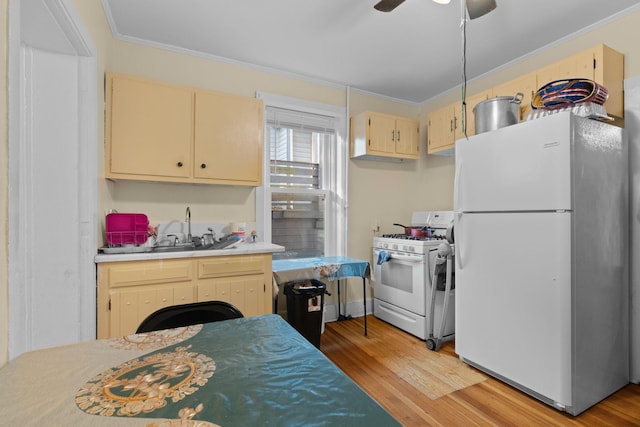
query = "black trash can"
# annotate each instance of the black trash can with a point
(305, 306)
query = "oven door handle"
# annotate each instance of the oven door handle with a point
(400, 257)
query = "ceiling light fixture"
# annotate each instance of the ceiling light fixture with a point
(478, 8)
(442, 1)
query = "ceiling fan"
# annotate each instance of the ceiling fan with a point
(475, 8)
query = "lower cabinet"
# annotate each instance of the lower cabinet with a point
(131, 290)
(238, 280)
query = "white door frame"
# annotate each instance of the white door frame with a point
(21, 289)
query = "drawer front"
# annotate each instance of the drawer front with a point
(230, 266)
(150, 272)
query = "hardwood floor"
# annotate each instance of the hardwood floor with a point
(420, 387)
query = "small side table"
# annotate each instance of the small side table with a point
(332, 268)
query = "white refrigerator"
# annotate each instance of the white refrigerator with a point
(541, 258)
(632, 125)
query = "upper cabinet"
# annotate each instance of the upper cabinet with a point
(378, 135)
(157, 131)
(228, 138)
(448, 124)
(149, 129)
(599, 63)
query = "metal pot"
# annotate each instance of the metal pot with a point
(497, 112)
(419, 232)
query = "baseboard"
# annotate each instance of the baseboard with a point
(353, 309)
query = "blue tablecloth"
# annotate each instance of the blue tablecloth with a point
(254, 371)
(332, 268)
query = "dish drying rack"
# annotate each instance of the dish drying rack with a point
(126, 232)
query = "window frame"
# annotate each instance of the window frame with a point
(336, 197)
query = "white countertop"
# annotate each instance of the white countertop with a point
(241, 249)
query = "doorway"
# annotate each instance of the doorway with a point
(52, 176)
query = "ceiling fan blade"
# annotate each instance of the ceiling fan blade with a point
(478, 8)
(387, 5)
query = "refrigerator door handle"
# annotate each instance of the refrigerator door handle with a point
(456, 186)
(458, 245)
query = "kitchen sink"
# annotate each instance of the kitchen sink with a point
(227, 242)
(223, 243)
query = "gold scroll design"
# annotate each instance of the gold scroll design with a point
(156, 339)
(142, 385)
(186, 415)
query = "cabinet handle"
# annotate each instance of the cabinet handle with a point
(179, 164)
(451, 125)
(203, 166)
(393, 135)
(455, 123)
(398, 136)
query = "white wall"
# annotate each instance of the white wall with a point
(51, 283)
(4, 185)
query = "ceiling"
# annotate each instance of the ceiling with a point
(413, 53)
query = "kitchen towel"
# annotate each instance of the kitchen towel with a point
(383, 257)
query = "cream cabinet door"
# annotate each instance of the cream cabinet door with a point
(206, 290)
(382, 135)
(247, 293)
(579, 65)
(467, 121)
(582, 65)
(228, 138)
(407, 137)
(149, 129)
(127, 312)
(440, 130)
(129, 307)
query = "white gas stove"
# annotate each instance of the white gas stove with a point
(438, 226)
(404, 268)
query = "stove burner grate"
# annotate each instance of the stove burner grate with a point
(407, 237)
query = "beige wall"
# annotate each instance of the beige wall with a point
(95, 22)
(165, 202)
(380, 193)
(621, 35)
(4, 180)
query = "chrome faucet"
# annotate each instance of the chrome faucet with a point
(188, 220)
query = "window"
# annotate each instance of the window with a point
(302, 203)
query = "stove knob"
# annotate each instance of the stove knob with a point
(411, 249)
(385, 245)
(395, 247)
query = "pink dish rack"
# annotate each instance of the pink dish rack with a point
(126, 229)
